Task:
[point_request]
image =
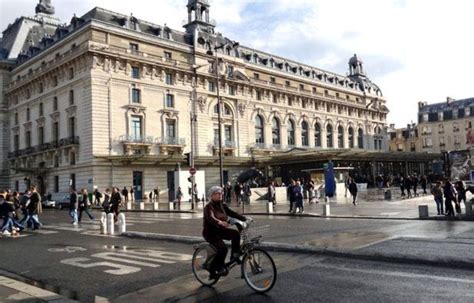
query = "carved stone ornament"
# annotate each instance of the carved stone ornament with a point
(241, 107)
(202, 104)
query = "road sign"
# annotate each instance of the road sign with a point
(192, 171)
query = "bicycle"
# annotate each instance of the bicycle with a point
(257, 266)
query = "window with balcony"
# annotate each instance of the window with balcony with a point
(40, 135)
(56, 132)
(291, 133)
(171, 129)
(259, 135)
(169, 100)
(135, 72)
(72, 127)
(16, 142)
(227, 135)
(275, 131)
(136, 131)
(28, 139)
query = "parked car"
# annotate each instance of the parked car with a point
(61, 200)
(47, 201)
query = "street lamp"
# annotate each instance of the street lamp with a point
(219, 104)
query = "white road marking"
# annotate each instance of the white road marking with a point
(389, 214)
(68, 249)
(395, 274)
(121, 257)
(120, 269)
(35, 292)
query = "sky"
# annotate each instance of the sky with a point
(414, 50)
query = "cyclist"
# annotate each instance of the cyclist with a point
(216, 229)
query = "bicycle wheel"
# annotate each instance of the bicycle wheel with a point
(259, 270)
(202, 257)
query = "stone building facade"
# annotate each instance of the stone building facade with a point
(404, 139)
(110, 99)
(446, 126)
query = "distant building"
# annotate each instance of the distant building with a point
(404, 139)
(446, 126)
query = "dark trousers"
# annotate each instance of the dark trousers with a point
(116, 210)
(217, 241)
(439, 204)
(81, 210)
(449, 207)
(354, 198)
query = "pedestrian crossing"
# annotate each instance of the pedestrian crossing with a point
(92, 227)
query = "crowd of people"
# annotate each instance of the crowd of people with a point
(451, 194)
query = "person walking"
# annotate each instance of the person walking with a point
(271, 192)
(116, 201)
(106, 203)
(34, 208)
(437, 192)
(238, 193)
(423, 182)
(408, 185)
(449, 196)
(353, 190)
(402, 186)
(414, 182)
(125, 194)
(227, 192)
(291, 196)
(179, 196)
(84, 205)
(299, 199)
(24, 201)
(132, 194)
(461, 190)
(73, 205)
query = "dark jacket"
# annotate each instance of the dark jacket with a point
(116, 199)
(84, 202)
(35, 199)
(73, 201)
(353, 188)
(215, 212)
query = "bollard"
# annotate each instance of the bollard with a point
(156, 206)
(122, 224)
(103, 224)
(129, 206)
(423, 211)
(270, 207)
(142, 205)
(468, 205)
(326, 210)
(110, 224)
(170, 205)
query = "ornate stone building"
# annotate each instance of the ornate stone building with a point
(109, 99)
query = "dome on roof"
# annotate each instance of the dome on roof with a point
(193, 2)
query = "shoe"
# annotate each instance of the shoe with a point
(7, 233)
(74, 223)
(213, 276)
(222, 272)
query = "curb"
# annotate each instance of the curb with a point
(306, 249)
(159, 211)
(314, 215)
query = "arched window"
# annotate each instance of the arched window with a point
(360, 138)
(351, 137)
(259, 130)
(291, 133)
(340, 137)
(329, 136)
(275, 131)
(304, 134)
(226, 111)
(317, 135)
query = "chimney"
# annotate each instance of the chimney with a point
(421, 104)
(449, 100)
(392, 126)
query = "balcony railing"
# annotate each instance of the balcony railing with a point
(172, 141)
(64, 142)
(128, 139)
(225, 144)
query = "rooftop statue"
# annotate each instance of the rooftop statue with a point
(45, 7)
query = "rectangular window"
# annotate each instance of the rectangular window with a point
(71, 97)
(72, 127)
(55, 81)
(290, 101)
(135, 72)
(27, 114)
(256, 76)
(41, 135)
(17, 185)
(136, 95)
(136, 128)
(28, 139)
(230, 71)
(212, 86)
(287, 83)
(231, 90)
(169, 78)
(301, 87)
(467, 111)
(227, 134)
(171, 130)
(274, 98)
(55, 103)
(55, 131)
(41, 110)
(314, 90)
(71, 73)
(41, 87)
(133, 47)
(16, 142)
(169, 100)
(272, 80)
(258, 95)
(168, 56)
(56, 184)
(216, 136)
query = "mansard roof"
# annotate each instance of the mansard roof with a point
(443, 106)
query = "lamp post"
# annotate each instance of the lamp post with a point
(219, 105)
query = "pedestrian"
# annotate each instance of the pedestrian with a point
(73, 205)
(291, 195)
(179, 196)
(423, 183)
(271, 192)
(238, 192)
(461, 190)
(402, 186)
(106, 203)
(414, 182)
(227, 192)
(116, 202)
(84, 204)
(10, 225)
(156, 198)
(125, 194)
(24, 201)
(97, 197)
(34, 208)
(407, 185)
(437, 192)
(449, 196)
(347, 182)
(353, 191)
(132, 194)
(299, 199)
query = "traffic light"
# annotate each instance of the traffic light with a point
(190, 179)
(188, 158)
